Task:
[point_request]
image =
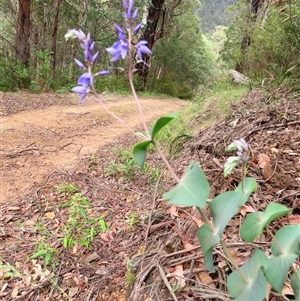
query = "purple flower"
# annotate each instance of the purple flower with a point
(118, 50)
(78, 33)
(142, 49)
(81, 90)
(86, 79)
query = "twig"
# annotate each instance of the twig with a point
(46, 282)
(286, 196)
(150, 215)
(271, 127)
(164, 278)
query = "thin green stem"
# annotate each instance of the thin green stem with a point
(233, 262)
(275, 241)
(243, 176)
(168, 165)
(205, 219)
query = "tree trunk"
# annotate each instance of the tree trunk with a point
(54, 35)
(157, 18)
(23, 32)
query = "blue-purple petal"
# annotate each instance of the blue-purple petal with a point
(79, 64)
(85, 79)
(137, 28)
(102, 73)
(95, 56)
(80, 90)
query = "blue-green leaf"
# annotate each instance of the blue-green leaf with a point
(285, 249)
(295, 284)
(192, 190)
(247, 186)
(208, 238)
(254, 287)
(255, 222)
(140, 151)
(223, 207)
(160, 123)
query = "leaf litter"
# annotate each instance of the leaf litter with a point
(169, 255)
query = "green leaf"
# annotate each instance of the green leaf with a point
(254, 286)
(208, 239)
(255, 222)
(82, 212)
(38, 254)
(285, 249)
(223, 207)
(140, 151)
(247, 186)
(295, 284)
(48, 258)
(160, 123)
(192, 190)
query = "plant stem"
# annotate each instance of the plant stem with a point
(130, 76)
(110, 112)
(275, 241)
(168, 165)
(233, 262)
(205, 219)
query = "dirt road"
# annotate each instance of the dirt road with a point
(38, 141)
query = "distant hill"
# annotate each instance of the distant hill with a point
(212, 14)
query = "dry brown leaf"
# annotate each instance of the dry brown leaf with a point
(199, 222)
(15, 292)
(140, 251)
(179, 272)
(187, 246)
(274, 150)
(263, 160)
(92, 257)
(287, 290)
(13, 208)
(234, 122)
(50, 215)
(73, 291)
(245, 209)
(267, 171)
(4, 287)
(173, 210)
(204, 278)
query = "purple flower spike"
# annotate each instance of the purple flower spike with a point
(128, 14)
(142, 49)
(81, 90)
(125, 4)
(79, 64)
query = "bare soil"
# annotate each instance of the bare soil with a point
(40, 134)
(148, 247)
